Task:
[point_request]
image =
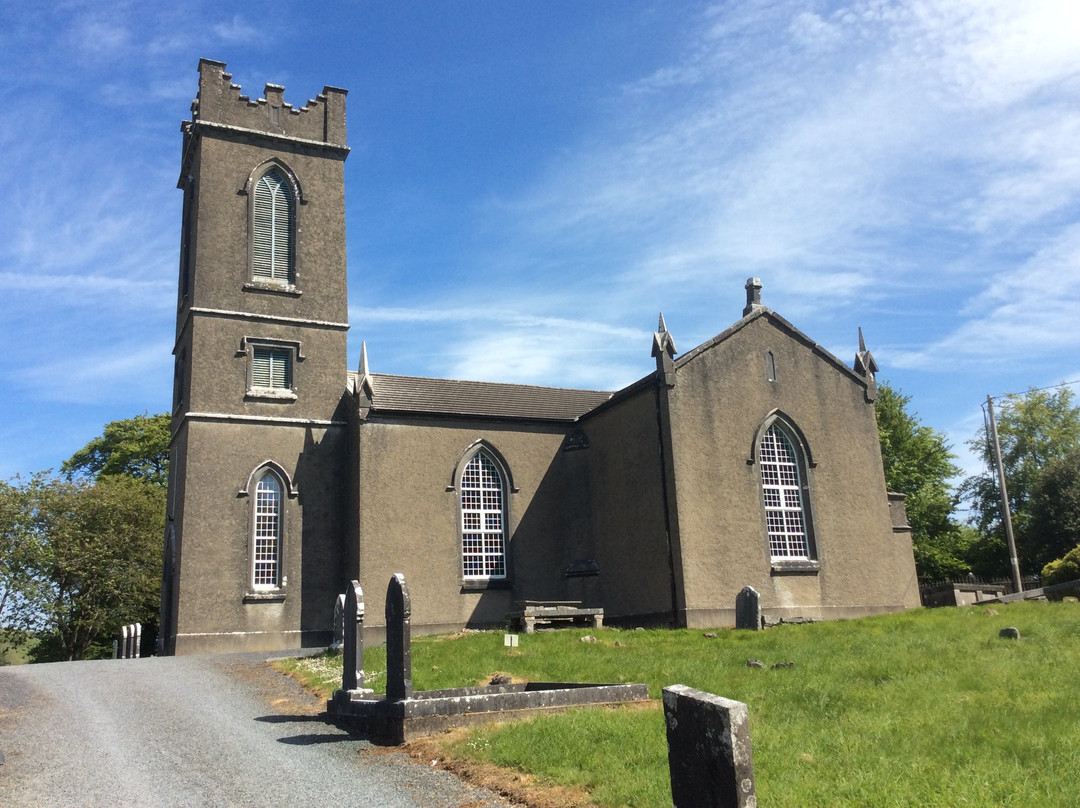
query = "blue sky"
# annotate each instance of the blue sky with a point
(531, 182)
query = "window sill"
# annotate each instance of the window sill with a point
(270, 394)
(264, 597)
(273, 288)
(804, 567)
(482, 585)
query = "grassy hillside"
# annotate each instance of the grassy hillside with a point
(925, 708)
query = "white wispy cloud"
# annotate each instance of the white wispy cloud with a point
(875, 149)
(91, 374)
(237, 30)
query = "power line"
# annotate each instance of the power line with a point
(1037, 389)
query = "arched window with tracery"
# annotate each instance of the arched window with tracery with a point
(483, 518)
(783, 491)
(266, 544)
(273, 228)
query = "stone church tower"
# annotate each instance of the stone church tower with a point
(258, 498)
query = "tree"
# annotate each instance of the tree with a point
(92, 560)
(18, 581)
(1054, 527)
(137, 447)
(918, 463)
(1034, 429)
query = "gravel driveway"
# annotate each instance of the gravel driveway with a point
(220, 730)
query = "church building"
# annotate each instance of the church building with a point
(752, 459)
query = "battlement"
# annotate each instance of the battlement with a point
(219, 101)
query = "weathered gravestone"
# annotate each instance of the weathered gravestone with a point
(339, 621)
(352, 649)
(748, 609)
(398, 640)
(709, 752)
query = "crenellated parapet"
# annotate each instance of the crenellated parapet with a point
(222, 103)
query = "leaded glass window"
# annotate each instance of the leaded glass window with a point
(483, 512)
(781, 490)
(267, 545)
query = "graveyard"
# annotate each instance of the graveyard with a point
(928, 707)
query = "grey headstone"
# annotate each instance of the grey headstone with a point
(709, 752)
(398, 640)
(352, 648)
(339, 620)
(748, 609)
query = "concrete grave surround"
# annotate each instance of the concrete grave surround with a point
(645, 502)
(403, 714)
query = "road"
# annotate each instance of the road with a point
(220, 730)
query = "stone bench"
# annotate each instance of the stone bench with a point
(532, 613)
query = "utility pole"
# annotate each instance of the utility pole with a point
(1006, 515)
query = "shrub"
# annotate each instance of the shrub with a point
(1063, 569)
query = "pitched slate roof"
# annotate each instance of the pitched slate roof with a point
(411, 394)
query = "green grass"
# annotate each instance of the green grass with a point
(924, 708)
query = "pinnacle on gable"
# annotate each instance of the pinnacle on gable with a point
(866, 367)
(753, 296)
(663, 342)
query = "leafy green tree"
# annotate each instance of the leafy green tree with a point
(19, 582)
(918, 463)
(93, 551)
(1054, 528)
(80, 555)
(137, 447)
(1034, 429)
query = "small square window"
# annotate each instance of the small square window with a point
(270, 371)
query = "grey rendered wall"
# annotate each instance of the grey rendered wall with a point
(215, 612)
(407, 515)
(720, 400)
(627, 509)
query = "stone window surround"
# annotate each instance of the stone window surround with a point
(254, 284)
(481, 583)
(811, 565)
(247, 348)
(263, 593)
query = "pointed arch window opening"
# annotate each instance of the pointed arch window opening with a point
(273, 226)
(266, 556)
(782, 493)
(483, 519)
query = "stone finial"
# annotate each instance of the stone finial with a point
(753, 296)
(866, 367)
(365, 384)
(663, 351)
(663, 342)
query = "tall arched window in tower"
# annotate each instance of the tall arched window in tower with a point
(483, 519)
(266, 545)
(783, 492)
(272, 228)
